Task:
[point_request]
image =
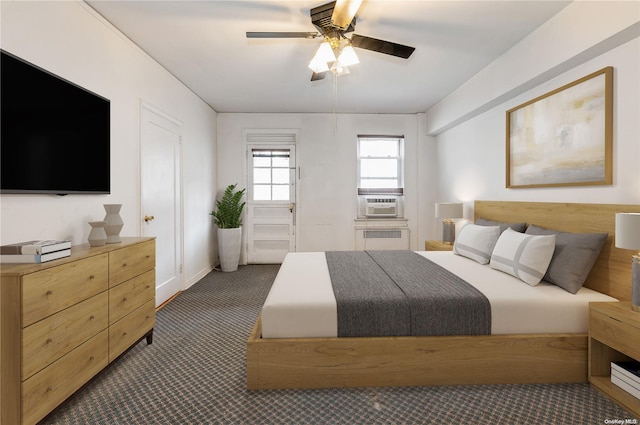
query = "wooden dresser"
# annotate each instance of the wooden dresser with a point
(64, 321)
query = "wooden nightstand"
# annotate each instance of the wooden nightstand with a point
(614, 335)
(438, 246)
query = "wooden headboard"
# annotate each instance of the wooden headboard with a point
(611, 274)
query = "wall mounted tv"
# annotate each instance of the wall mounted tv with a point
(54, 135)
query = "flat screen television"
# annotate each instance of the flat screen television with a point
(54, 135)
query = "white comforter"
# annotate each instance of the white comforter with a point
(301, 301)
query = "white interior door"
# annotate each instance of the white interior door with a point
(271, 203)
(161, 197)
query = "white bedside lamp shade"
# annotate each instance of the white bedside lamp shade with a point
(628, 237)
(628, 230)
(448, 211)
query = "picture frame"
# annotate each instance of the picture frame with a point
(564, 137)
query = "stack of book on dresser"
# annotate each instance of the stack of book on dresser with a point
(626, 375)
(34, 251)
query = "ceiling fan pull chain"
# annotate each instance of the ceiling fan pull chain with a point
(335, 104)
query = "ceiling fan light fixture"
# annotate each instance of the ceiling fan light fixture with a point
(325, 53)
(348, 56)
(332, 21)
(318, 65)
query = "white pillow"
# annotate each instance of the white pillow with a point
(524, 256)
(476, 242)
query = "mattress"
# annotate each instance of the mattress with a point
(301, 301)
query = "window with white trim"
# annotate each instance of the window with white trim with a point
(380, 165)
(270, 174)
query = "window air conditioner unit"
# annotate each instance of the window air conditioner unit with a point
(386, 206)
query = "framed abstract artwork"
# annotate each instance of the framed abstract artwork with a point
(564, 137)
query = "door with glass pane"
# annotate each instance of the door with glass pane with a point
(271, 207)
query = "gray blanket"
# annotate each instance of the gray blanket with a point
(401, 293)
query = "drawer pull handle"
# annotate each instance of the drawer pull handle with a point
(48, 390)
(91, 358)
(49, 292)
(124, 300)
(92, 317)
(91, 277)
(124, 264)
(49, 340)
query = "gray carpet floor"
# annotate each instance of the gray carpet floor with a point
(194, 373)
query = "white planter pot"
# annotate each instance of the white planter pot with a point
(229, 244)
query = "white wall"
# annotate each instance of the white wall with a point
(326, 153)
(469, 125)
(579, 32)
(72, 41)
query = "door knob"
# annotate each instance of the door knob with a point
(148, 218)
(291, 207)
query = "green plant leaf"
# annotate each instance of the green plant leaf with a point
(228, 212)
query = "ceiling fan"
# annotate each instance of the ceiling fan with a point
(335, 54)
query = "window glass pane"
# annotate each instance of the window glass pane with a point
(261, 192)
(262, 175)
(281, 161)
(281, 175)
(378, 183)
(379, 148)
(261, 161)
(379, 168)
(271, 175)
(281, 193)
(380, 162)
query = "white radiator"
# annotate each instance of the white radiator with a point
(381, 239)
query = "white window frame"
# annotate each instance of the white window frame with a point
(271, 168)
(399, 190)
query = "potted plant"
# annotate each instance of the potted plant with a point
(228, 217)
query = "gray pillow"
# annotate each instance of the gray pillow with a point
(573, 258)
(518, 227)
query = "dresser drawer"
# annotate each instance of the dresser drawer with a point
(48, 291)
(132, 327)
(51, 338)
(128, 296)
(613, 332)
(51, 386)
(131, 261)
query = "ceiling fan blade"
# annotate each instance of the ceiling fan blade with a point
(282, 34)
(381, 46)
(344, 12)
(318, 76)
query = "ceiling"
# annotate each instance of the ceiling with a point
(203, 43)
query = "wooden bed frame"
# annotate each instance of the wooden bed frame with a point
(457, 360)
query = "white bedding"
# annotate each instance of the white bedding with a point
(301, 301)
